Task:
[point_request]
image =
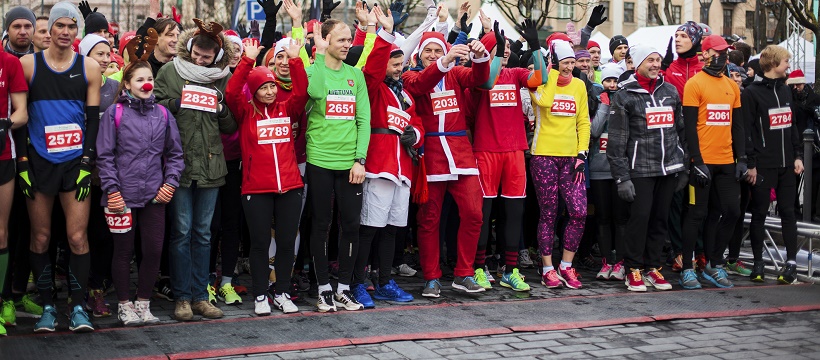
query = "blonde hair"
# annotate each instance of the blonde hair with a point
(771, 57)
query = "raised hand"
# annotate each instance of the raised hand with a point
(293, 48)
(443, 11)
(327, 8)
(242, 31)
(597, 17)
(669, 57)
(396, 10)
(294, 10)
(529, 31)
(255, 29)
(252, 48)
(270, 7)
(486, 22)
(154, 9)
(500, 41)
(85, 9)
(386, 22)
(371, 16)
(463, 24)
(319, 43)
(361, 13)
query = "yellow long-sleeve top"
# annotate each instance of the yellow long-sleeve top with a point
(561, 118)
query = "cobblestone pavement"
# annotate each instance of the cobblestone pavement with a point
(771, 336)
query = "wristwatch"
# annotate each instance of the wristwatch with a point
(359, 160)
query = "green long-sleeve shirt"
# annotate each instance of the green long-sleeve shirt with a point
(336, 134)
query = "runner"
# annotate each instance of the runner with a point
(595, 59)
(19, 23)
(646, 154)
(583, 61)
(618, 47)
(41, 39)
(714, 129)
(766, 110)
(63, 125)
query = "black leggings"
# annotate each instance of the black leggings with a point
(647, 226)
(325, 186)
(227, 221)
(737, 235)
(508, 230)
(784, 182)
(386, 244)
(259, 209)
(720, 197)
(612, 214)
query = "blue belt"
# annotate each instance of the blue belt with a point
(447, 133)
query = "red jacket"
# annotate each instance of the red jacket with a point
(446, 156)
(386, 158)
(267, 167)
(681, 70)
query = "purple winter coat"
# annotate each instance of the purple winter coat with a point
(130, 157)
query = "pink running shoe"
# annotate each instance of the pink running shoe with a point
(570, 278)
(618, 271)
(551, 279)
(606, 270)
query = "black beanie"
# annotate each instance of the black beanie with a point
(95, 22)
(616, 41)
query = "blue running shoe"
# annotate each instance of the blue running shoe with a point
(360, 293)
(716, 276)
(48, 321)
(392, 292)
(689, 280)
(80, 321)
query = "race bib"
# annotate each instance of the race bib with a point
(397, 120)
(272, 131)
(61, 138)
(563, 105)
(503, 95)
(718, 115)
(340, 107)
(199, 98)
(780, 118)
(444, 102)
(660, 117)
(118, 223)
(603, 142)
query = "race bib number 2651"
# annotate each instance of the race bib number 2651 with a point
(340, 107)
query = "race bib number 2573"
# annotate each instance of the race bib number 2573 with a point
(65, 137)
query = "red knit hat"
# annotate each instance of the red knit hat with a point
(591, 44)
(796, 77)
(489, 41)
(433, 37)
(117, 59)
(258, 77)
(126, 37)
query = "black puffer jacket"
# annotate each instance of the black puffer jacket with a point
(635, 150)
(767, 148)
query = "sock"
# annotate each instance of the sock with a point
(564, 265)
(480, 259)
(78, 269)
(41, 266)
(325, 287)
(261, 298)
(342, 287)
(547, 268)
(510, 260)
(4, 264)
(226, 280)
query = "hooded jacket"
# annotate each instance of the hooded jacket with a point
(634, 150)
(130, 156)
(598, 136)
(199, 130)
(681, 70)
(766, 147)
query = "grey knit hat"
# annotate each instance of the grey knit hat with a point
(64, 9)
(16, 13)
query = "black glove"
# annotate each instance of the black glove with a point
(5, 125)
(242, 30)
(741, 168)
(24, 179)
(85, 9)
(516, 47)
(255, 30)
(500, 41)
(463, 24)
(529, 31)
(626, 191)
(669, 57)
(270, 7)
(597, 17)
(396, 9)
(700, 175)
(683, 180)
(83, 181)
(327, 7)
(408, 137)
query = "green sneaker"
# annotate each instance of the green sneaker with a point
(481, 279)
(514, 281)
(228, 295)
(2, 328)
(737, 268)
(29, 305)
(8, 313)
(211, 294)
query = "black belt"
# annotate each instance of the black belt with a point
(384, 131)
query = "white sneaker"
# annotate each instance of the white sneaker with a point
(326, 303)
(143, 309)
(403, 270)
(283, 302)
(346, 301)
(261, 308)
(128, 315)
(490, 277)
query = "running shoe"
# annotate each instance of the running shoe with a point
(570, 278)
(392, 292)
(143, 308)
(655, 278)
(347, 301)
(432, 289)
(28, 305)
(8, 313)
(80, 322)
(182, 311)
(551, 279)
(716, 276)
(237, 286)
(467, 284)
(2, 327)
(127, 314)
(634, 281)
(228, 295)
(700, 262)
(48, 321)
(261, 308)
(211, 294)
(606, 270)
(789, 274)
(737, 268)
(689, 280)
(162, 289)
(283, 302)
(589, 263)
(492, 263)
(302, 281)
(359, 292)
(97, 304)
(758, 271)
(403, 270)
(207, 309)
(489, 275)
(524, 260)
(481, 278)
(677, 263)
(514, 281)
(618, 271)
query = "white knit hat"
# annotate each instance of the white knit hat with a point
(562, 49)
(89, 42)
(639, 53)
(611, 70)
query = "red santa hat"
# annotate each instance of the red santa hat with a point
(433, 37)
(796, 77)
(557, 36)
(234, 38)
(395, 50)
(488, 40)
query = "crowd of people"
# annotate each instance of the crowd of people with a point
(177, 150)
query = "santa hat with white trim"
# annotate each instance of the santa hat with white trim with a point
(433, 37)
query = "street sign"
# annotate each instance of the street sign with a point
(255, 11)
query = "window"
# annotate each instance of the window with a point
(727, 21)
(606, 7)
(629, 12)
(750, 20)
(676, 14)
(566, 11)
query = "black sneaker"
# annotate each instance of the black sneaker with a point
(589, 263)
(347, 301)
(162, 289)
(301, 280)
(758, 271)
(789, 274)
(325, 303)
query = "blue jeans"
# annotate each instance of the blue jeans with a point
(192, 210)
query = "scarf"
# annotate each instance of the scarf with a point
(646, 83)
(717, 64)
(564, 80)
(199, 74)
(284, 83)
(396, 86)
(18, 54)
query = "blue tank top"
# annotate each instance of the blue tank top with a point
(56, 110)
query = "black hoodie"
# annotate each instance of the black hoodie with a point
(766, 147)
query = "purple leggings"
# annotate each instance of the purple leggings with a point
(151, 220)
(552, 175)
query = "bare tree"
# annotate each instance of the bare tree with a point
(803, 12)
(541, 10)
(654, 13)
